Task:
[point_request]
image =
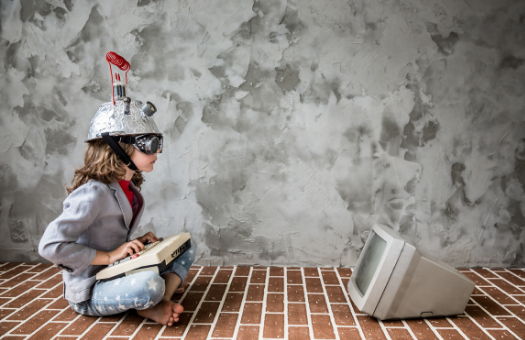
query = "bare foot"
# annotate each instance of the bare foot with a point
(165, 312)
(182, 288)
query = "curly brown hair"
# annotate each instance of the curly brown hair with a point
(102, 164)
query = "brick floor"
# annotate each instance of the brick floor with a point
(244, 302)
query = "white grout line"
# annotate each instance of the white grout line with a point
(223, 299)
(243, 301)
(327, 301)
(349, 303)
(306, 302)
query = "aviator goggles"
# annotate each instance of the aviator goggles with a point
(148, 144)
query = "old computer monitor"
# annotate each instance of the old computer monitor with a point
(393, 280)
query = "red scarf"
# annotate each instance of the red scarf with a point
(125, 185)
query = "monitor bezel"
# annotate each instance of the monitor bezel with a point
(368, 301)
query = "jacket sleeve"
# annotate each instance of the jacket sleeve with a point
(59, 242)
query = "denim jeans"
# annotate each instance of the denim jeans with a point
(139, 290)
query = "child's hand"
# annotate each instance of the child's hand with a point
(126, 249)
(148, 238)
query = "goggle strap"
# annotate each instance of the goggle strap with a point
(118, 150)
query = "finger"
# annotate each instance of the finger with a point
(138, 243)
(133, 247)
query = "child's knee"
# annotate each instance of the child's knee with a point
(147, 288)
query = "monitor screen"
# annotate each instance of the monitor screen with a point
(370, 262)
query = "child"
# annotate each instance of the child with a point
(103, 209)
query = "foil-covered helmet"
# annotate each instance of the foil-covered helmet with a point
(124, 119)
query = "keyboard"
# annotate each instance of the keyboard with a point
(155, 256)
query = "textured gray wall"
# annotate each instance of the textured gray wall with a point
(291, 126)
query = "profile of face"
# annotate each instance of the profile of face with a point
(143, 161)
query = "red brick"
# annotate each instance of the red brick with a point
(342, 315)
(251, 313)
(242, 271)
(469, 328)
(295, 294)
(39, 267)
(330, 278)
(297, 314)
(440, 322)
(335, 294)
(206, 312)
(450, 334)
(29, 310)
(49, 330)
(393, 323)
(484, 319)
(317, 303)
(233, 302)
(311, 271)
(216, 292)
(20, 289)
(80, 325)
(514, 325)
(420, 329)
(50, 283)
(248, 333)
(225, 326)
(67, 315)
(52, 271)
(54, 292)
(294, 277)
(519, 311)
(255, 293)
(201, 283)
(33, 323)
(275, 303)
(59, 304)
(478, 280)
(24, 298)
(4, 300)
(512, 278)
(191, 301)
(259, 268)
(147, 331)
(208, 270)
(238, 284)
(518, 272)
(322, 327)
(349, 333)
(398, 333)
(299, 333)
(223, 276)
(16, 280)
(371, 328)
(10, 271)
(5, 326)
(178, 328)
(98, 331)
(128, 326)
(313, 285)
(489, 304)
(499, 296)
(344, 272)
(501, 334)
(276, 284)
(505, 286)
(276, 271)
(258, 276)
(273, 326)
(5, 312)
(198, 332)
(484, 273)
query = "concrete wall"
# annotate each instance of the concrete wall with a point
(291, 126)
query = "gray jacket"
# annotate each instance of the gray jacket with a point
(95, 216)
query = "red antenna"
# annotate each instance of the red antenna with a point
(121, 63)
